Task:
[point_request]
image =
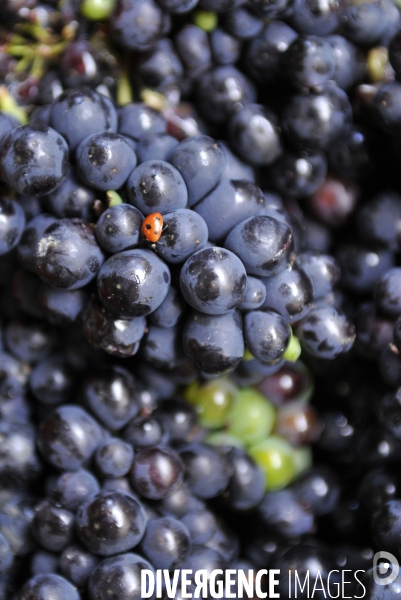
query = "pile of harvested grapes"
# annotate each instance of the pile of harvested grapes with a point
(200, 298)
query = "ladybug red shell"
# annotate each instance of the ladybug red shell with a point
(152, 227)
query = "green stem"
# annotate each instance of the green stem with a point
(10, 106)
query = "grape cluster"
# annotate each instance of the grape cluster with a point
(163, 263)
(102, 475)
(221, 273)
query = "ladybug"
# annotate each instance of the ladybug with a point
(152, 227)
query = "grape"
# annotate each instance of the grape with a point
(228, 204)
(119, 575)
(105, 161)
(264, 245)
(67, 255)
(156, 186)
(214, 401)
(33, 159)
(214, 344)
(12, 223)
(253, 418)
(275, 456)
(110, 522)
(118, 228)
(80, 112)
(47, 586)
(213, 281)
(97, 10)
(133, 283)
(201, 162)
(137, 25)
(184, 232)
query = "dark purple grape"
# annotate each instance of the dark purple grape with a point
(170, 311)
(133, 283)
(315, 120)
(214, 343)
(255, 294)
(290, 293)
(156, 186)
(110, 522)
(52, 526)
(267, 335)
(299, 175)
(201, 162)
(43, 587)
(194, 50)
(323, 271)
(166, 543)
(264, 54)
(264, 245)
(105, 161)
(119, 227)
(309, 62)
(120, 576)
(114, 458)
(155, 146)
(69, 437)
(137, 120)
(207, 469)
(80, 112)
(103, 330)
(225, 47)
(137, 25)
(228, 204)
(157, 472)
(33, 159)
(73, 488)
(77, 564)
(31, 235)
(51, 381)
(213, 281)
(222, 91)
(247, 484)
(67, 255)
(162, 347)
(81, 64)
(113, 395)
(71, 199)
(12, 223)
(62, 307)
(326, 333)
(311, 17)
(19, 462)
(255, 135)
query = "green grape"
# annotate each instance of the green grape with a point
(206, 20)
(254, 417)
(97, 10)
(214, 400)
(293, 351)
(302, 460)
(275, 456)
(220, 438)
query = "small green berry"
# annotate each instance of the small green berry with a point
(275, 456)
(97, 10)
(254, 417)
(302, 460)
(214, 401)
(206, 20)
(293, 351)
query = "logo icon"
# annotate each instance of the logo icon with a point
(385, 568)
